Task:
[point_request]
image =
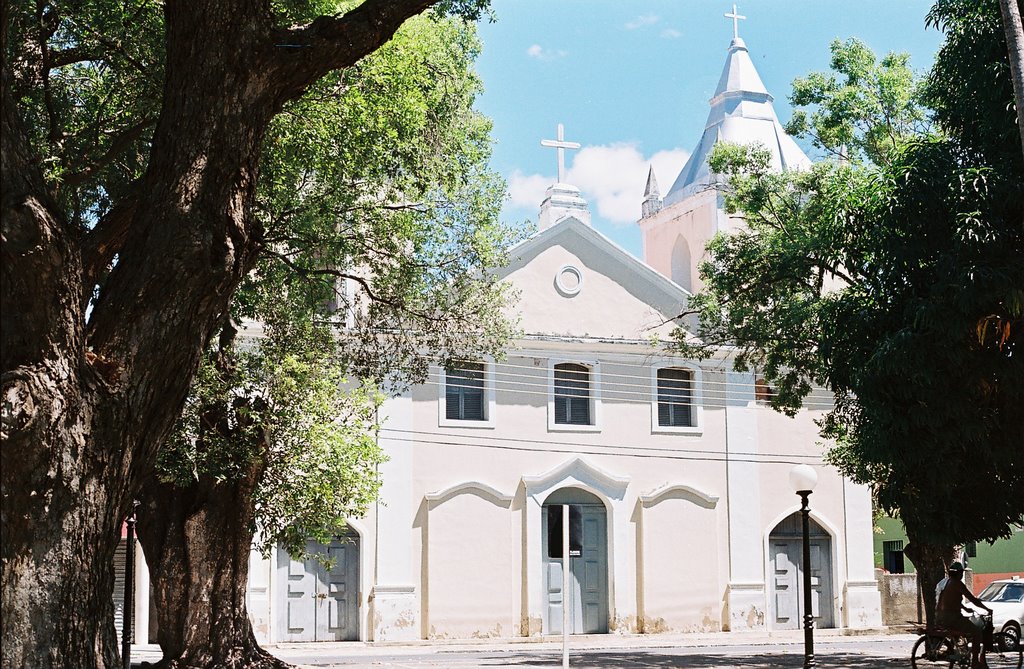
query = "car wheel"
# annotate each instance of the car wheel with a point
(1012, 629)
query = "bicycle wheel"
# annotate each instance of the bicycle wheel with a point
(1005, 653)
(930, 651)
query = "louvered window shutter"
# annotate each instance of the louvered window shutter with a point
(675, 398)
(452, 406)
(572, 394)
(464, 392)
(664, 412)
(561, 409)
(473, 404)
(580, 411)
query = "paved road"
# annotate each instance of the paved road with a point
(848, 655)
(612, 659)
(881, 652)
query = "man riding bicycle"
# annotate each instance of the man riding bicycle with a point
(949, 611)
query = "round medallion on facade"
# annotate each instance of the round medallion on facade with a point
(569, 280)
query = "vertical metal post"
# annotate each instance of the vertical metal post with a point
(128, 614)
(565, 586)
(805, 512)
(920, 601)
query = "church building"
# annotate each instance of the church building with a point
(676, 473)
(682, 518)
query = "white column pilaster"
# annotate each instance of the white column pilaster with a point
(746, 597)
(536, 597)
(258, 595)
(623, 569)
(862, 607)
(394, 601)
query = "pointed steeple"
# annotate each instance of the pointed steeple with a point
(739, 76)
(652, 196)
(741, 113)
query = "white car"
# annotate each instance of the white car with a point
(1006, 599)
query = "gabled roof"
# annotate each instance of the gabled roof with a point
(597, 251)
(741, 113)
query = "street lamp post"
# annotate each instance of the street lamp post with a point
(803, 478)
(128, 612)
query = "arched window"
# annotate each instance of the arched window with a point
(464, 392)
(681, 263)
(675, 397)
(572, 394)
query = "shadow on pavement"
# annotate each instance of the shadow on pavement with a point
(627, 660)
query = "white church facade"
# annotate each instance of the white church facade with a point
(676, 472)
(677, 475)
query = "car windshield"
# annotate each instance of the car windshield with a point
(1003, 592)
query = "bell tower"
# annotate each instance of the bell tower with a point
(676, 231)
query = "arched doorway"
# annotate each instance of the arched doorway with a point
(785, 571)
(316, 603)
(587, 598)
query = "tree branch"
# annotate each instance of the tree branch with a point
(103, 242)
(1013, 26)
(72, 55)
(45, 32)
(303, 55)
(120, 143)
(113, 45)
(373, 295)
(38, 293)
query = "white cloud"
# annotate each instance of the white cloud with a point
(611, 178)
(527, 190)
(641, 21)
(540, 53)
(671, 33)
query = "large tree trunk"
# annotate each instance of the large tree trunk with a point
(197, 541)
(1013, 27)
(62, 499)
(930, 560)
(86, 404)
(197, 537)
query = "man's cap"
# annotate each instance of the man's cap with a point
(956, 566)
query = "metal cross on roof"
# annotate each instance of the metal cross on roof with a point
(561, 145)
(735, 22)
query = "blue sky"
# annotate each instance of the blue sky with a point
(631, 80)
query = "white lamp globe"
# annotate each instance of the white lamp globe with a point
(803, 478)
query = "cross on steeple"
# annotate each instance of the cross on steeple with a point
(735, 22)
(561, 145)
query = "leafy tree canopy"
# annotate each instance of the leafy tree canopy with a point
(283, 400)
(381, 225)
(133, 136)
(378, 204)
(864, 109)
(379, 220)
(898, 282)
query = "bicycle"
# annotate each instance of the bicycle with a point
(939, 646)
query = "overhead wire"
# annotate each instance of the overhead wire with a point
(608, 363)
(589, 450)
(629, 449)
(538, 386)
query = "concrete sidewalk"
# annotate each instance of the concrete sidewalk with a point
(878, 648)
